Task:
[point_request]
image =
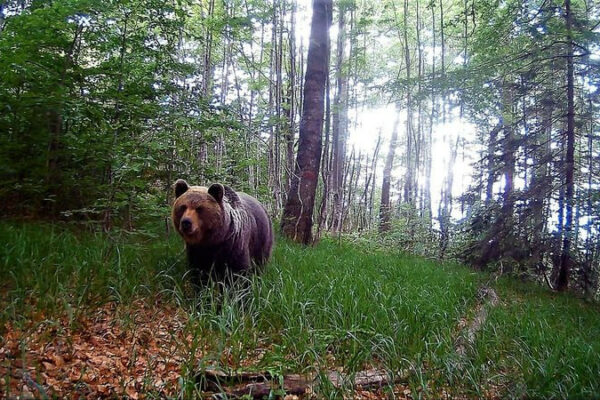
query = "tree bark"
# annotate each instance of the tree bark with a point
(409, 176)
(588, 270)
(540, 186)
(325, 163)
(364, 203)
(510, 148)
(385, 208)
(443, 66)
(339, 125)
(297, 218)
(291, 109)
(562, 282)
(491, 164)
(259, 385)
(446, 201)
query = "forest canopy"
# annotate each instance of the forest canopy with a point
(484, 145)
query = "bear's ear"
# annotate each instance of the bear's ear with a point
(181, 187)
(216, 190)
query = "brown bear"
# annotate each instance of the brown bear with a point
(224, 231)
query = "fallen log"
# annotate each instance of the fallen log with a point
(259, 385)
(487, 298)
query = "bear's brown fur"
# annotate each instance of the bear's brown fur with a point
(224, 231)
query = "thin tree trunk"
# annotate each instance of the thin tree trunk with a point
(562, 282)
(339, 124)
(325, 163)
(589, 247)
(385, 208)
(370, 180)
(417, 197)
(408, 179)
(291, 109)
(353, 173)
(107, 217)
(446, 201)
(433, 118)
(491, 163)
(540, 184)
(443, 66)
(207, 87)
(275, 80)
(510, 149)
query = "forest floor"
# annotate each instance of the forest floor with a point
(90, 315)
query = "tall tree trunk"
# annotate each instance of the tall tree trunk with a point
(107, 217)
(509, 156)
(562, 282)
(447, 201)
(540, 183)
(297, 218)
(408, 178)
(325, 163)
(339, 124)
(560, 218)
(443, 66)
(417, 194)
(291, 97)
(208, 72)
(207, 87)
(275, 90)
(589, 247)
(433, 118)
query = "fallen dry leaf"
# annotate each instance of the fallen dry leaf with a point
(102, 358)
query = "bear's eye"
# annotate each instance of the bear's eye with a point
(182, 208)
(199, 209)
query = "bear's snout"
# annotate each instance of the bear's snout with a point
(186, 225)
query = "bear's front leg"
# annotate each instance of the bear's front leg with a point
(200, 264)
(239, 261)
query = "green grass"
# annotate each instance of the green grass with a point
(540, 344)
(313, 309)
(68, 270)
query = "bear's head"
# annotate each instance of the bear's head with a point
(198, 213)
